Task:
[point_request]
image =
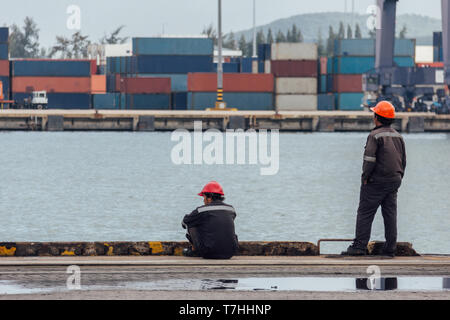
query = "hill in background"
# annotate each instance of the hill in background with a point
(418, 26)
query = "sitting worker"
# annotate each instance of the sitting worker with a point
(210, 228)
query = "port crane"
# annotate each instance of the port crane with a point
(408, 88)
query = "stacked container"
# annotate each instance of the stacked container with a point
(437, 47)
(354, 57)
(4, 62)
(69, 83)
(294, 66)
(157, 63)
(245, 91)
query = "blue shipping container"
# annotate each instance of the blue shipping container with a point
(323, 84)
(47, 68)
(240, 100)
(61, 100)
(231, 67)
(366, 47)
(4, 51)
(349, 101)
(6, 86)
(247, 65)
(358, 65)
(179, 101)
(173, 46)
(148, 101)
(325, 101)
(437, 39)
(106, 101)
(4, 34)
(264, 51)
(174, 64)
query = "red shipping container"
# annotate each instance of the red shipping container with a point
(52, 84)
(4, 68)
(232, 82)
(347, 83)
(143, 85)
(294, 68)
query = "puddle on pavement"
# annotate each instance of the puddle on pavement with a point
(335, 284)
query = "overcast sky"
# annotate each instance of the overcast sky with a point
(151, 17)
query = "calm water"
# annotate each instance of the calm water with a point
(87, 186)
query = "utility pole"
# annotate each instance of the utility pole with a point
(220, 104)
(255, 55)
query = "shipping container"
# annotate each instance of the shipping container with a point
(61, 100)
(143, 85)
(4, 68)
(240, 100)
(264, 51)
(173, 46)
(347, 83)
(246, 65)
(51, 84)
(148, 101)
(356, 65)
(232, 82)
(179, 101)
(231, 67)
(294, 51)
(304, 68)
(267, 67)
(4, 51)
(261, 67)
(174, 64)
(296, 102)
(4, 34)
(349, 101)
(6, 86)
(296, 85)
(366, 47)
(178, 81)
(98, 83)
(325, 101)
(53, 68)
(106, 101)
(438, 54)
(323, 84)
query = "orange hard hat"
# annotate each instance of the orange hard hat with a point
(212, 187)
(384, 109)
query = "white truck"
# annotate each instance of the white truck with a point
(38, 100)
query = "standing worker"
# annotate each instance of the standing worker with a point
(383, 170)
(210, 228)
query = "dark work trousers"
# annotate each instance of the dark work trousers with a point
(192, 236)
(373, 195)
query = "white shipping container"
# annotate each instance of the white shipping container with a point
(296, 85)
(294, 51)
(119, 50)
(267, 66)
(296, 102)
(424, 54)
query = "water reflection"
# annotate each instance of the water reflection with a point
(382, 284)
(446, 283)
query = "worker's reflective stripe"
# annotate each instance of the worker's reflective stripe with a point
(370, 159)
(215, 208)
(388, 134)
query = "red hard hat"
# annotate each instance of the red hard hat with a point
(384, 109)
(212, 187)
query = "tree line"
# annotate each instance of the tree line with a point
(24, 41)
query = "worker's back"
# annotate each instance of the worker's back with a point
(212, 229)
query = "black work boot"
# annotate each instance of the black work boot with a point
(188, 252)
(353, 251)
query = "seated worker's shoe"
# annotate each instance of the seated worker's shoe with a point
(352, 251)
(188, 252)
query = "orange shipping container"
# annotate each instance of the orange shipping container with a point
(4, 68)
(51, 84)
(98, 84)
(232, 82)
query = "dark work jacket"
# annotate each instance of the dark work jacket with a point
(384, 156)
(214, 224)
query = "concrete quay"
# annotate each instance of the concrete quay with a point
(156, 120)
